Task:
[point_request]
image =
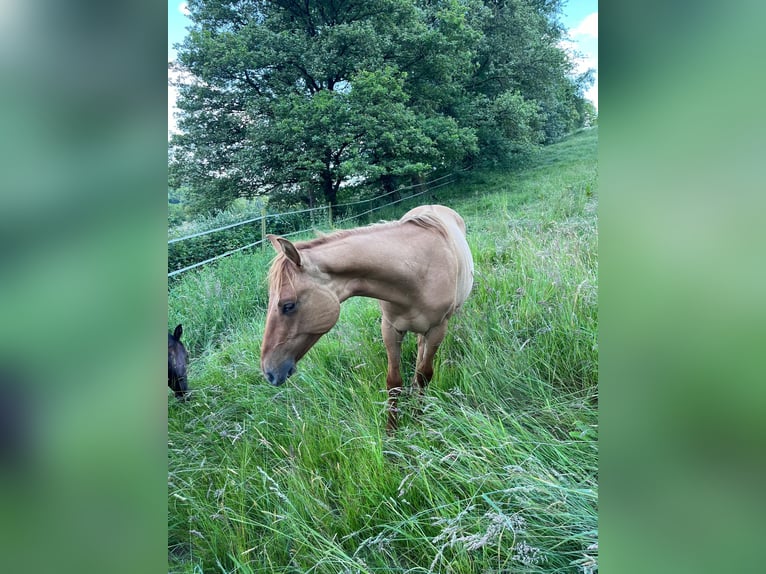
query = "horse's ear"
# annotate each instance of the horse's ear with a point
(283, 245)
(273, 239)
(177, 333)
(290, 251)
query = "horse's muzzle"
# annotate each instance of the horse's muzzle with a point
(279, 375)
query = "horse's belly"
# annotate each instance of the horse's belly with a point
(420, 325)
(412, 320)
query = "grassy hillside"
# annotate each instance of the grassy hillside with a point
(500, 472)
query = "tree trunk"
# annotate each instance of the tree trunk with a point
(328, 188)
(326, 176)
(387, 182)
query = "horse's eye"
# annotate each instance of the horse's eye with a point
(288, 308)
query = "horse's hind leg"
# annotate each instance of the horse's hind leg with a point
(393, 341)
(427, 347)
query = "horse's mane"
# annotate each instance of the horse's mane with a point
(341, 234)
(424, 220)
(283, 269)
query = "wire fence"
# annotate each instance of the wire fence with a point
(287, 221)
(209, 231)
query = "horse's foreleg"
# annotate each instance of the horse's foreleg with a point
(427, 346)
(393, 341)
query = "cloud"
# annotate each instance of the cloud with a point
(582, 61)
(581, 46)
(588, 27)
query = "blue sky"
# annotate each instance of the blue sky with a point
(581, 19)
(579, 16)
(177, 24)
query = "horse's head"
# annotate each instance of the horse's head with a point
(177, 361)
(302, 308)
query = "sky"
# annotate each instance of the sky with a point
(580, 17)
(177, 24)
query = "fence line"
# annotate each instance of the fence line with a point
(268, 216)
(214, 230)
(394, 191)
(272, 215)
(275, 215)
(393, 202)
(381, 207)
(177, 271)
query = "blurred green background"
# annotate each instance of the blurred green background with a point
(83, 287)
(682, 287)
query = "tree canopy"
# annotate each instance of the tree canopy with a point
(299, 96)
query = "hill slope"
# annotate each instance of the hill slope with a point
(500, 472)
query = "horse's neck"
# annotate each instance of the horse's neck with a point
(363, 264)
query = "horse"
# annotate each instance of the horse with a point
(419, 268)
(177, 361)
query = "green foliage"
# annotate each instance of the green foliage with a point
(196, 249)
(519, 55)
(177, 212)
(297, 98)
(589, 114)
(498, 474)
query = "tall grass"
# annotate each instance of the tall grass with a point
(499, 473)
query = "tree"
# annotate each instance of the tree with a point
(301, 96)
(298, 96)
(520, 56)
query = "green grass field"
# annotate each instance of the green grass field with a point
(500, 472)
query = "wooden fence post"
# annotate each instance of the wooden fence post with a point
(263, 226)
(329, 211)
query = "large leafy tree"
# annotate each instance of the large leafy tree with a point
(523, 88)
(301, 95)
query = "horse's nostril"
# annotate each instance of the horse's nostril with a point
(270, 377)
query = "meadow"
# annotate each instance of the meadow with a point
(498, 474)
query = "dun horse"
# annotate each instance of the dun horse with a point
(419, 268)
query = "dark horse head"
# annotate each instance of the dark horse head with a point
(177, 360)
